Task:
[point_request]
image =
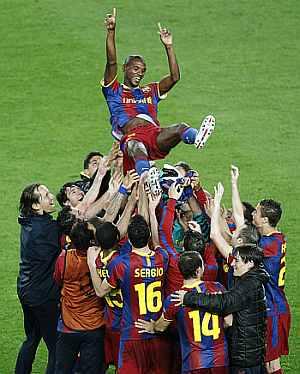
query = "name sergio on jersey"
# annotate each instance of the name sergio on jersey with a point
(148, 272)
(129, 100)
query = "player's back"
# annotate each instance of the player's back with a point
(202, 336)
(141, 279)
(274, 248)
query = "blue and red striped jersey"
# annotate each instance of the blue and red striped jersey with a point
(174, 279)
(202, 338)
(114, 300)
(140, 277)
(125, 103)
(274, 248)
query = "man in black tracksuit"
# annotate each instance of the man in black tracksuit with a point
(246, 301)
(37, 291)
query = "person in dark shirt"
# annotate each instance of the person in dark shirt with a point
(37, 291)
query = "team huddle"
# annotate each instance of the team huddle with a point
(144, 269)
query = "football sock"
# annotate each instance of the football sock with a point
(141, 165)
(188, 135)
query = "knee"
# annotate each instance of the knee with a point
(136, 148)
(180, 127)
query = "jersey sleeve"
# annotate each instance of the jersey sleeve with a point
(166, 226)
(116, 271)
(110, 88)
(60, 268)
(169, 309)
(155, 91)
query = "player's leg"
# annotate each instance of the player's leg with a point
(138, 152)
(29, 347)
(67, 349)
(92, 352)
(47, 315)
(170, 136)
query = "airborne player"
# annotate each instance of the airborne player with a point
(133, 108)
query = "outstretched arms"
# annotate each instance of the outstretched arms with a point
(170, 80)
(111, 54)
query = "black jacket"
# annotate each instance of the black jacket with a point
(39, 249)
(246, 301)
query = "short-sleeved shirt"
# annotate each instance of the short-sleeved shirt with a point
(140, 277)
(202, 338)
(126, 103)
(114, 300)
(274, 248)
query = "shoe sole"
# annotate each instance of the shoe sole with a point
(206, 129)
(153, 181)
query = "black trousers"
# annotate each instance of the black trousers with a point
(253, 370)
(39, 322)
(90, 345)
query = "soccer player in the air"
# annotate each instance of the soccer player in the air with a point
(133, 108)
(203, 343)
(140, 275)
(266, 217)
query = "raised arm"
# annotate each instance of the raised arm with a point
(153, 202)
(170, 80)
(215, 230)
(128, 211)
(111, 54)
(237, 206)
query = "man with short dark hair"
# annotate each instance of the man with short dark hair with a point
(140, 276)
(203, 343)
(266, 217)
(134, 109)
(37, 291)
(81, 323)
(246, 302)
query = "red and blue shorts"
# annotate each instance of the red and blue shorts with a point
(144, 356)
(278, 328)
(111, 346)
(146, 134)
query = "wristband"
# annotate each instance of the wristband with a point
(123, 190)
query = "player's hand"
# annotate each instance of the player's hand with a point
(153, 200)
(130, 178)
(194, 226)
(175, 191)
(145, 326)
(92, 254)
(219, 191)
(209, 207)
(165, 35)
(177, 297)
(110, 20)
(234, 174)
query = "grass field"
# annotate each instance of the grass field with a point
(239, 60)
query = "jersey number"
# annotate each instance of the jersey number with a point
(281, 276)
(149, 297)
(202, 327)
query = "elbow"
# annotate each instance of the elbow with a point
(176, 78)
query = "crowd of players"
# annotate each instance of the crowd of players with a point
(143, 268)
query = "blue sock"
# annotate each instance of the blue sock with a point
(188, 136)
(141, 166)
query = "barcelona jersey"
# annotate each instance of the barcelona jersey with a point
(126, 103)
(140, 277)
(202, 338)
(274, 248)
(114, 300)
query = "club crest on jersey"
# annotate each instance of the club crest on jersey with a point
(146, 89)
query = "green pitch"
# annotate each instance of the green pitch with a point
(239, 60)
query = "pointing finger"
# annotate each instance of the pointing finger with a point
(114, 12)
(159, 27)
